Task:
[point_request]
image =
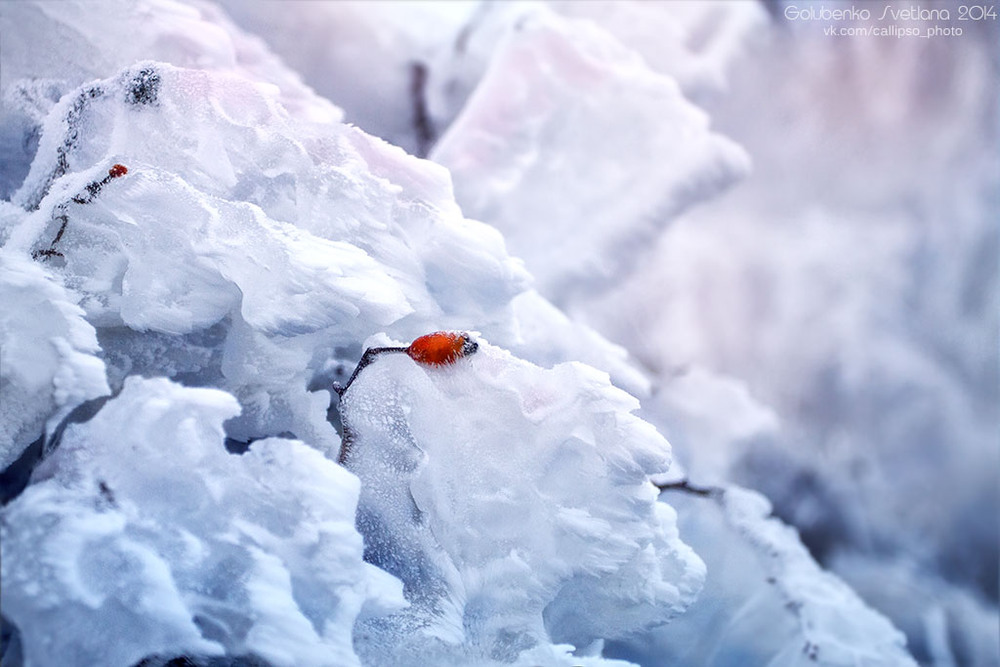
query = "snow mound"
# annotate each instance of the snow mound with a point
(213, 222)
(142, 522)
(48, 362)
(514, 504)
(570, 141)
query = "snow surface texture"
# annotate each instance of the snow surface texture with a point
(892, 275)
(142, 522)
(196, 243)
(244, 254)
(257, 245)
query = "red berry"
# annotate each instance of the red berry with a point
(117, 170)
(441, 348)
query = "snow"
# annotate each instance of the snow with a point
(695, 43)
(48, 361)
(236, 226)
(108, 36)
(851, 285)
(141, 521)
(501, 509)
(245, 255)
(765, 600)
(580, 129)
(514, 504)
(365, 56)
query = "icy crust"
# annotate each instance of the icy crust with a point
(141, 522)
(514, 504)
(686, 407)
(271, 244)
(601, 152)
(48, 355)
(765, 601)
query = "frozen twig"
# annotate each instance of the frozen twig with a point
(85, 197)
(686, 486)
(437, 349)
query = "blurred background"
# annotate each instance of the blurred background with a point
(850, 282)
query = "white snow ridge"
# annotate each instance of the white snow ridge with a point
(196, 248)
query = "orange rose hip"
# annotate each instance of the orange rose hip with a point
(441, 348)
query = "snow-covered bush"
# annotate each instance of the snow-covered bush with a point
(249, 249)
(851, 283)
(230, 243)
(190, 228)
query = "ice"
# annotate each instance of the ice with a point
(600, 115)
(142, 522)
(49, 363)
(686, 408)
(570, 141)
(546, 336)
(514, 504)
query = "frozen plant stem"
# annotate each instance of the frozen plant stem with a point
(422, 125)
(687, 487)
(368, 357)
(347, 438)
(90, 192)
(436, 349)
